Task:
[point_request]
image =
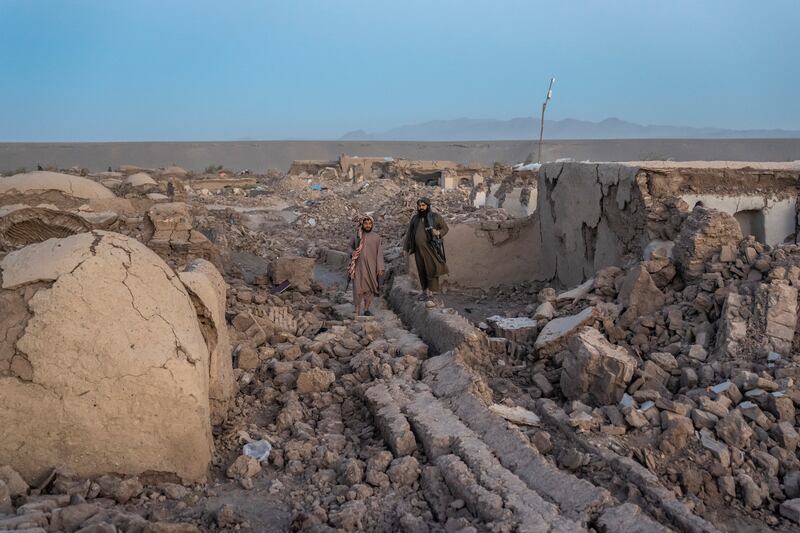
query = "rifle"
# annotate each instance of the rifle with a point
(438, 246)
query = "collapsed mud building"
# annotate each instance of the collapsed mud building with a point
(616, 350)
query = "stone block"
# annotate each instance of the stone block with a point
(595, 369)
(733, 429)
(314, 380)
(392, 424)
(628, 518)
(791, 509)
(298, 271)
(16, 485)
(781, 406)
(6, 507)
(462, 483)
(639, 295)
(781, 317)
(557, 332)
(704, 419)
(785, 434)
(521, 330)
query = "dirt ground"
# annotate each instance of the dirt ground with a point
(261, 155)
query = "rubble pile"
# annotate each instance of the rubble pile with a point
(296, 383)
(302, 371)
(169, 232)
(688, 361)
(64, 502)
(195, 391)
(308, 215)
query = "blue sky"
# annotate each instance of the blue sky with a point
(97, 70)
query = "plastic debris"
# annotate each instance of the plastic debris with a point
(259, 449)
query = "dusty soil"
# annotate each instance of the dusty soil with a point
(260, 155)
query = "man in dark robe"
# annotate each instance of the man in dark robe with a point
(366, 265)
(424, 241)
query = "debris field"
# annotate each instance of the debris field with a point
(616, 349)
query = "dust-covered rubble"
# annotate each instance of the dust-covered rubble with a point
(659, 394)
(692, 373)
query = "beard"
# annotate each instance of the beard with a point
(422, 212)
(366, 230)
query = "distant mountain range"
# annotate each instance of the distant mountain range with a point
(469, 129)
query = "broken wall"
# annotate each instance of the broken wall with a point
(169, 233)
(357, 168)
(595, 215)
(218, 184)
(518, 202)
(491, 253)
(771, 220)
(592, 216)
(311, 166)
(762, 197)
(516, 192)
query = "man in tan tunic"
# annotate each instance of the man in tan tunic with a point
(366, 265)
(424, 240)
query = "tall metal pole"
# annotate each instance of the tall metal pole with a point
(544, 106)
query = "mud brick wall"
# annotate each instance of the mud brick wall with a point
(764, 201)
(494, 253)
(591, 216)
(594, 215)
(311, 166)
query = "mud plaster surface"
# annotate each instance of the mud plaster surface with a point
(591, 216)
(206, 284)
(114, 349)
(74, 186)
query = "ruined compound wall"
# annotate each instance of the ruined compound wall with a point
(442, 330)
(775, 218)
(592, 215)
(312, 167)
(360, 168)
(599, 214)
(514, 191)
(518, 202)
(763, 200)
(493, 253)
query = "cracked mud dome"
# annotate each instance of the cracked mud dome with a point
(629, 365)
(109, 341)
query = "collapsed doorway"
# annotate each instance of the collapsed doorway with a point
(751, 221)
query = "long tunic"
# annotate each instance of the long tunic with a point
(429, 266)
(369, 263)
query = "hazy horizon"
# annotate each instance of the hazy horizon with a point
(497, 130)
(96, 71)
